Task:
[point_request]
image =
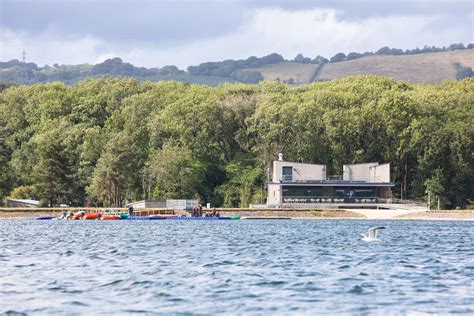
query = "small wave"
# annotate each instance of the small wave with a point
(270, 283)
(113, 283)
(356, 289)
(77, 303)
(14, 313)
(219, 263)
(67, 253)
(24, 265)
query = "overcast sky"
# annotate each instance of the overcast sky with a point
(157, 33)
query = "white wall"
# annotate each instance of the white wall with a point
(370, 172)
(357, 172)
(274, 194)
(301, 171)
(381, 173)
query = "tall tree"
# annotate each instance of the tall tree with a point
(176, 174)
(115, 174)
(52, 175)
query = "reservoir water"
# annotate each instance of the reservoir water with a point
(236, 267)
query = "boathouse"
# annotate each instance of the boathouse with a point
(296, 184)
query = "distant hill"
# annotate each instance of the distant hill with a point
(430, 64)
(428, 67)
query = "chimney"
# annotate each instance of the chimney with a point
(280, 157)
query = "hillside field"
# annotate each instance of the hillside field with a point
(428, 67)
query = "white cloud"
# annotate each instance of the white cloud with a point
(49, 49)
(311, 32)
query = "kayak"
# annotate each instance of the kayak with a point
(92, 216)
(111, 217)
(46, 218)
(77, 216)
(200, 218)
(137, 218)
(140, 218)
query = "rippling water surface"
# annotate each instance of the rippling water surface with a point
(235, 267)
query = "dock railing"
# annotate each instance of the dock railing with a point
(331, 199)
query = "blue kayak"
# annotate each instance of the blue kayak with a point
(45, 218)
(136, 218)
(140, 218)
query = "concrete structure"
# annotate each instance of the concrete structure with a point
(369, 172)
(170, 204)
(147, 204)
(22, 203)
(181, 204)
(297, 184)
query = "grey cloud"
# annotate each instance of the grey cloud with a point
(149, 21)
(154, 33)
(158, 22)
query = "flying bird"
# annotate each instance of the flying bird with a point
(371, 234)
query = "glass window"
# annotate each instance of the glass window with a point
(287, 174)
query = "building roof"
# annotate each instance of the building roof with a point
(145, 201)
(25, 201)
(337, 183)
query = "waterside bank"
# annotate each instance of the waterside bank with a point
(359, 214)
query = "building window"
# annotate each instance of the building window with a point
(287, 174)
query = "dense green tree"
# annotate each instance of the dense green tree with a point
(338, 58)
(112, 140)
(115, 173)
(52, 174)
(175, 173)
(245, 182)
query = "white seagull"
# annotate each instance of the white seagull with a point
(371, 234)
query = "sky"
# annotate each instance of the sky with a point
(157, 33)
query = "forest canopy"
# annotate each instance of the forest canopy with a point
(109, 141)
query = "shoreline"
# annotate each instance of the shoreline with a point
(296, 214)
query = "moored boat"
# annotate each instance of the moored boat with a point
(92, 216)
(111, 217)
(184, 218)
(78, 215)
(46, 218)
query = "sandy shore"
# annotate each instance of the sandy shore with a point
(307, 214)
(440, 215)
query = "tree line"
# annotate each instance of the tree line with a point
(109, 141)
(209, 73)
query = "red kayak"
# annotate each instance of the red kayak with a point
(77, 216)
(110, 217)
(92, 216)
